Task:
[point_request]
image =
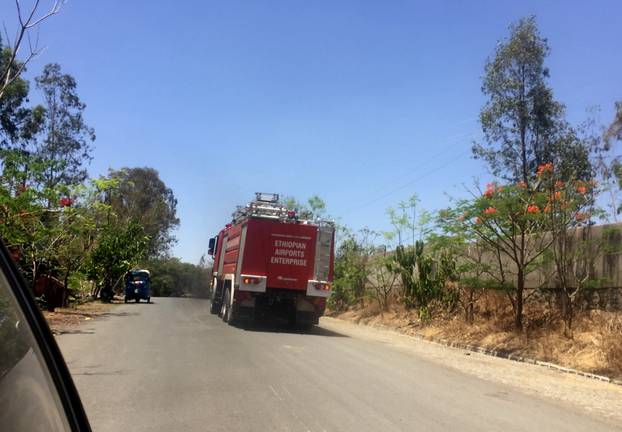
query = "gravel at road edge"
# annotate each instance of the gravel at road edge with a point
(600, 399)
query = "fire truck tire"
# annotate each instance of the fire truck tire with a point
(230, 316)
(225, 305)
(214, 307)
(227, 314)
(305, 327)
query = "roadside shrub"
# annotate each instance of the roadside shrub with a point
(612, 343)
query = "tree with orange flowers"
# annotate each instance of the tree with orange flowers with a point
(526, 137)
(569, 212)
(508, 221)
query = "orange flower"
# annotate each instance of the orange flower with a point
(490, 190)
(547, 167)
(533, 209)
(582, 190)
(581, 216)
(521, 185)
(558, 195)
(559, 184)
(490, 210)
(547, 209)
(65, 202)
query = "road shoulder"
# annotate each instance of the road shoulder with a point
(69, 319)
(599, 399)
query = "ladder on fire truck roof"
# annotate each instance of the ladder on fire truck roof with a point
(267, 206)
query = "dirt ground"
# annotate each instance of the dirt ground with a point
(595, 346)
(64, 320)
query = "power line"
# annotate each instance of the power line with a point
(447, 148)
(422, 176)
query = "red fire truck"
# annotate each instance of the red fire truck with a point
(270, 262)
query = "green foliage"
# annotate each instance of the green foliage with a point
(56, 223)
(172, 278)
(66, 142)
(423, 276)
(382, 279)
(351, 268)
(404, 263)
(314, 208)
(523, 125)
(13, 114)
(141, 195)
(614, 131)
(82, 223)
(524, 130)
(119, 248)
(406, 223)
(28, 224)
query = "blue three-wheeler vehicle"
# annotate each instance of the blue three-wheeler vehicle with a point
(138, 285)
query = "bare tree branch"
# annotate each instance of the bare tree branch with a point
(26, 22)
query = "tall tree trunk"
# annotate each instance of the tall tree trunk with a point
(567, 313)
(66, 293)
(518, 311)
(471, 307)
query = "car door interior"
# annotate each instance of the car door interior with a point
(36, 389)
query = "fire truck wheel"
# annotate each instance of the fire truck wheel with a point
(214, 307)
(228, 315)
(305, 327)
(224, 311)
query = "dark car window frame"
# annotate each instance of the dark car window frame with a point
(65, 387)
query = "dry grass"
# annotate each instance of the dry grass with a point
(612, 343)
(63, 320)
(595, 346)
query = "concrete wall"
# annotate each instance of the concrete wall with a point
(602, 261)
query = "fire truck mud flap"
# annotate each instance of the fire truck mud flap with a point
(306, 313)
(243, 313)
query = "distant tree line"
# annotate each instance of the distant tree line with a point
(171, 277)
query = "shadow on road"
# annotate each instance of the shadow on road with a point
(119, 314)
(113, 373)
(72, 331)
(283, 327)
(141, 303)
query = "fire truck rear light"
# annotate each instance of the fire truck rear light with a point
(322, 286)
(254, 283)
(251, 280)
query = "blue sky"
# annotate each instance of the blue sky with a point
(360, 102)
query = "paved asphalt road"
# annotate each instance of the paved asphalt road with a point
(172, 366)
